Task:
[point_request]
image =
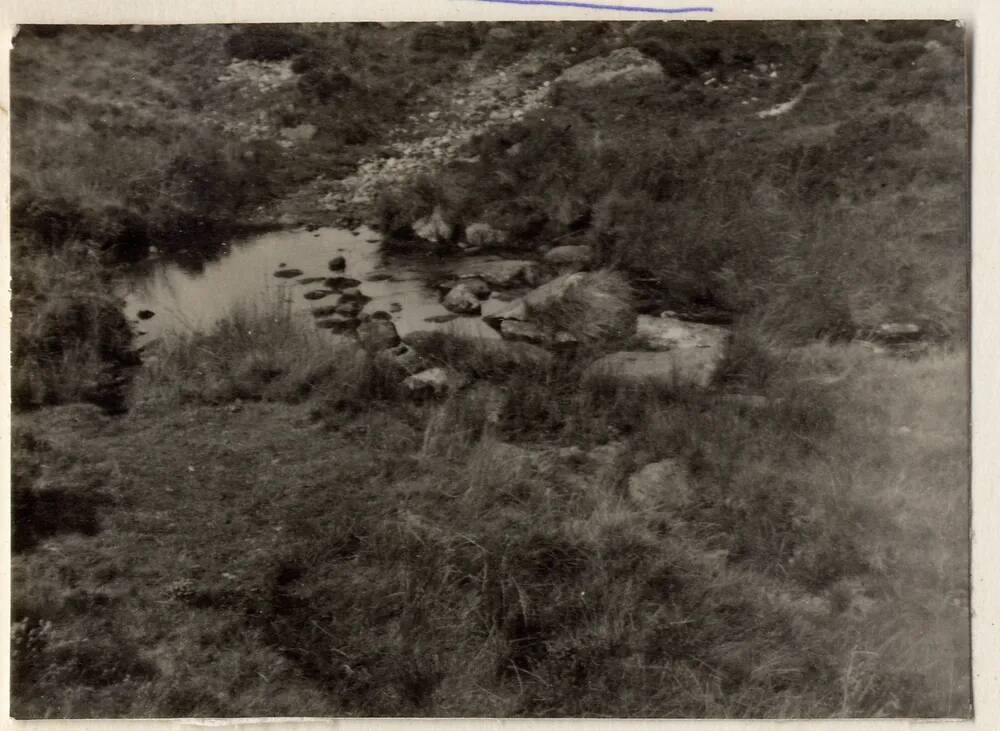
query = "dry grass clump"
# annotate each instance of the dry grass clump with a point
(260, 350)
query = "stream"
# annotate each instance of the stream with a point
(187, 296)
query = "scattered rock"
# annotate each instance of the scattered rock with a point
(318, 294)
(462, 299)
(668, 333)
(524, 332)
(338, 323)
(434, 228)
(288, 273)
(898, 332)
(145, 314)
(337, 264)
(353, 294)
(324, 311)
(432, 382)
(578, 257)
(503, 273)
(377, 334)
(672, 368)
(484, 235)
(339, 283)
(379, 277)
(624, 66)
(350, 308)
(311, 280)
(395, 307)
(662, 484)
(440, 319)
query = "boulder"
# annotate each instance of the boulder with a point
(311, 280)
(585, 306)
(477, 286)
(670, 368)
(502, 273)
(145, 314)
(576, 257)
(669, 333)
(662, 485)
(432, 382)
(337, 264)
(484, 235)
(462, 299)
(441, 319)
(288, 273)
(324, 311)
(623, 66)
(350, 308)
(377, 334)
(434, 228)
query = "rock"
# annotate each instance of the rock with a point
(496, 316)
(578, 257)
(440, 319)
(317, 294)
(898, 332)
(337, 264)
(324, 311)
(311, 280)
(432, 382)
(350, 308)
(671, 368)
(288, 273)
(403, 357)
(662, 485)
(524, 332)
(338, 323)
(380, 315)
(668, 333)
(299, 133)
(502, 273)
(585, 306)
(377, 334)
(477, 286)
(484, 235)
(462, 299)
(395, 307)
(145, 314)
(434, 228)
(503, 354)
(501, 33)
(353, 294)
(624, 66)
(379, 277)
(340, 282)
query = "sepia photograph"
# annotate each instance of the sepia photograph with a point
(565, 369)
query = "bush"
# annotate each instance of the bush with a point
(266, 43)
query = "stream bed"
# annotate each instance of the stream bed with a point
(186, 295)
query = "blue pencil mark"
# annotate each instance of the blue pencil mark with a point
(602, 6)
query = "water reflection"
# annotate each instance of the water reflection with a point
(189, 294)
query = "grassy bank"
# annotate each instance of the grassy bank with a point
(350, 552)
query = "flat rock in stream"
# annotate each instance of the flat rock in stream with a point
(318, 294)
(311, 280)
(339, 283)
(337, 264)
(288, 273)
(503, 273)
